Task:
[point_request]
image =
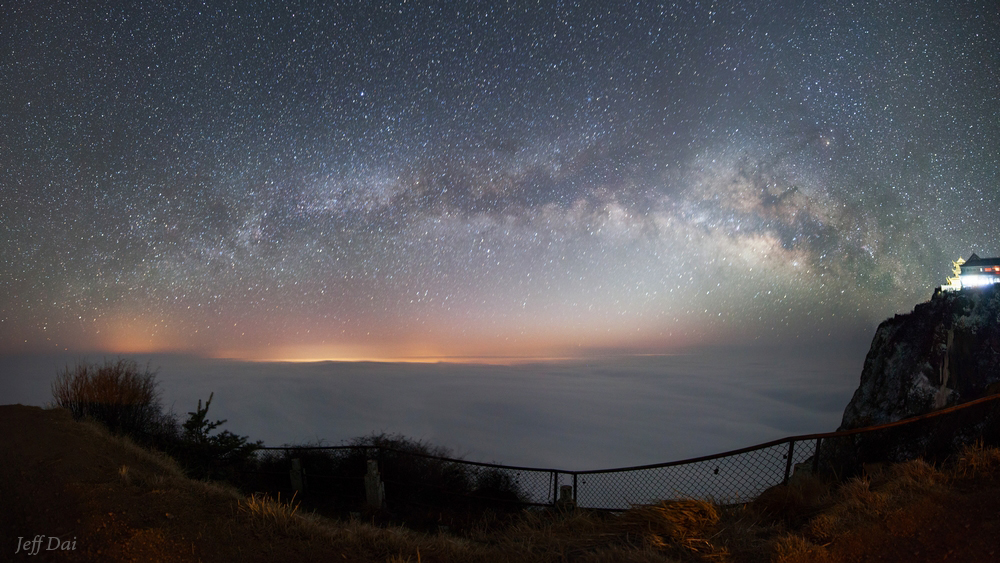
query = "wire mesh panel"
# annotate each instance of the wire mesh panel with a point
(725, 479)
(505, 484)
(743, 475)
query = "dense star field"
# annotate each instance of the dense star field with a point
(426, 179)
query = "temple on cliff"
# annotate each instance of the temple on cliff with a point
(974, 272)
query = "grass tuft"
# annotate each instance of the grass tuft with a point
(267, 511)
(668, 525)
(796, 549)
(976, 460)
(855, 503)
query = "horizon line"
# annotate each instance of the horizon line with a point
(484, 360)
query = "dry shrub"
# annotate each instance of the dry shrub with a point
(669, 525)
(976, 460)
(118, 394)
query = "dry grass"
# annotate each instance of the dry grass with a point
(795, 503)
(875, 497)
(888, 501)
(791, 548)
(150, 471)
(124, 474)
(976, 460)
(673, 525)
(681, 530)
(141, 466)
(268, 512)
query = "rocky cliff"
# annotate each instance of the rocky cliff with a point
(945, 352)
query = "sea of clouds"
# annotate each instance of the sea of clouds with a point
(604, 412)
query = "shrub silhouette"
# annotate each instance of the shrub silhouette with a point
(422, 489)
(126, 400)
(117, 393)
(219, 456)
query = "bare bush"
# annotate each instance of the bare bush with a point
(117, 393)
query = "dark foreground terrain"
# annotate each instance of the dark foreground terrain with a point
(109, 500)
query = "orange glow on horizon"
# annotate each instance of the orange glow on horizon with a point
(488, 351)
(440, 342)
(401, 353)
(484, 360)
(138, 335)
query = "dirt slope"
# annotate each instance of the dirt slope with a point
(60, 478)
(66, 479)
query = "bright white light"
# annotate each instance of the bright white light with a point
(979, 280)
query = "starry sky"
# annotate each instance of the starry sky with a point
(420, 180)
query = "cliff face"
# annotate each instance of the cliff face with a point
(945, 352)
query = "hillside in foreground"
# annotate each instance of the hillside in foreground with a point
(112, 501)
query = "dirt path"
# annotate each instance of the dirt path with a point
(62, 479)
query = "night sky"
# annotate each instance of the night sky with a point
(390, 180)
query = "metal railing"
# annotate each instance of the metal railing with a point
(421, 480)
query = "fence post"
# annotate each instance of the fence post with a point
(374, 487)
(566, 502)
(788, 461)
(298, 483)
(819, 441)
(555, 487)
(574, 487)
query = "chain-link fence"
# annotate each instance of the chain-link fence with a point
(416, 487)
(730, 477)
(334, 476)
